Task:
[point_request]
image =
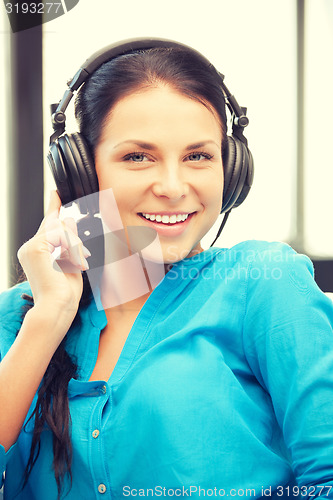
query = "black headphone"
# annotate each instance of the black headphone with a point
(71, 161)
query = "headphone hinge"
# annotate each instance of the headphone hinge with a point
(80, 77)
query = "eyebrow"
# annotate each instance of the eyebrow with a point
(150, 147)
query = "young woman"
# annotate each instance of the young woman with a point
(217, 382)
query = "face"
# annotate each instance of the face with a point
(160, 152)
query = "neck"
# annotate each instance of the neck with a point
(128, 277)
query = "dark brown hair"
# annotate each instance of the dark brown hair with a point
(115, 79)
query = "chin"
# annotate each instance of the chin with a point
(175, 253)
(166, 255)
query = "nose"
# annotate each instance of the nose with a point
(171, 183)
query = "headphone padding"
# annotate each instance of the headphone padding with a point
(248, 181)
(230, 173)
(78, 163)
(88, 172)
(60, 175)
(71, 160)
(239, 168)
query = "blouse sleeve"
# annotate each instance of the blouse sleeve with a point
(288, 341)
(11, 317)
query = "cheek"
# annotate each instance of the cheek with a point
(211, 193)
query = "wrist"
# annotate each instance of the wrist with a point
(50, 321)
(56, 308)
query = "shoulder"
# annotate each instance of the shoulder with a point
(279, 264)
(268, 273)
(261, 250)
(11, 306)
(264, 259)
(281, 289)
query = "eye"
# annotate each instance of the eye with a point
(136, 157)
(199, 156)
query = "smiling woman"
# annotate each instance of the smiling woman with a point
(213, 376)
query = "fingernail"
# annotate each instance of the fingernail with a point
(85, 251)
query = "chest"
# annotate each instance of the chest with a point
(111, 343)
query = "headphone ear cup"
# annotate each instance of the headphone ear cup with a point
(73, 171)
(236, 174)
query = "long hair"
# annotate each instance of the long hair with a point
(114, 80)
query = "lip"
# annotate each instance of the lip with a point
(168, 229)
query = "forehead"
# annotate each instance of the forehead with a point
(157, 111)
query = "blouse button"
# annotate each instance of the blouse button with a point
(103, 389)
(95, 433)
(101, 488)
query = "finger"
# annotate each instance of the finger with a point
(70, 222)
(57, 234)
(54, 205)
(51, 213)
(72, 225)
(74, 247)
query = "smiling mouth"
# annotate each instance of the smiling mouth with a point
(167, 219)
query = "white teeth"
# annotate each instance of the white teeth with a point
(166, 219)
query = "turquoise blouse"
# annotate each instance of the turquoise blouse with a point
(224, 387)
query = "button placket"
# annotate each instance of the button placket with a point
(98, 467)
